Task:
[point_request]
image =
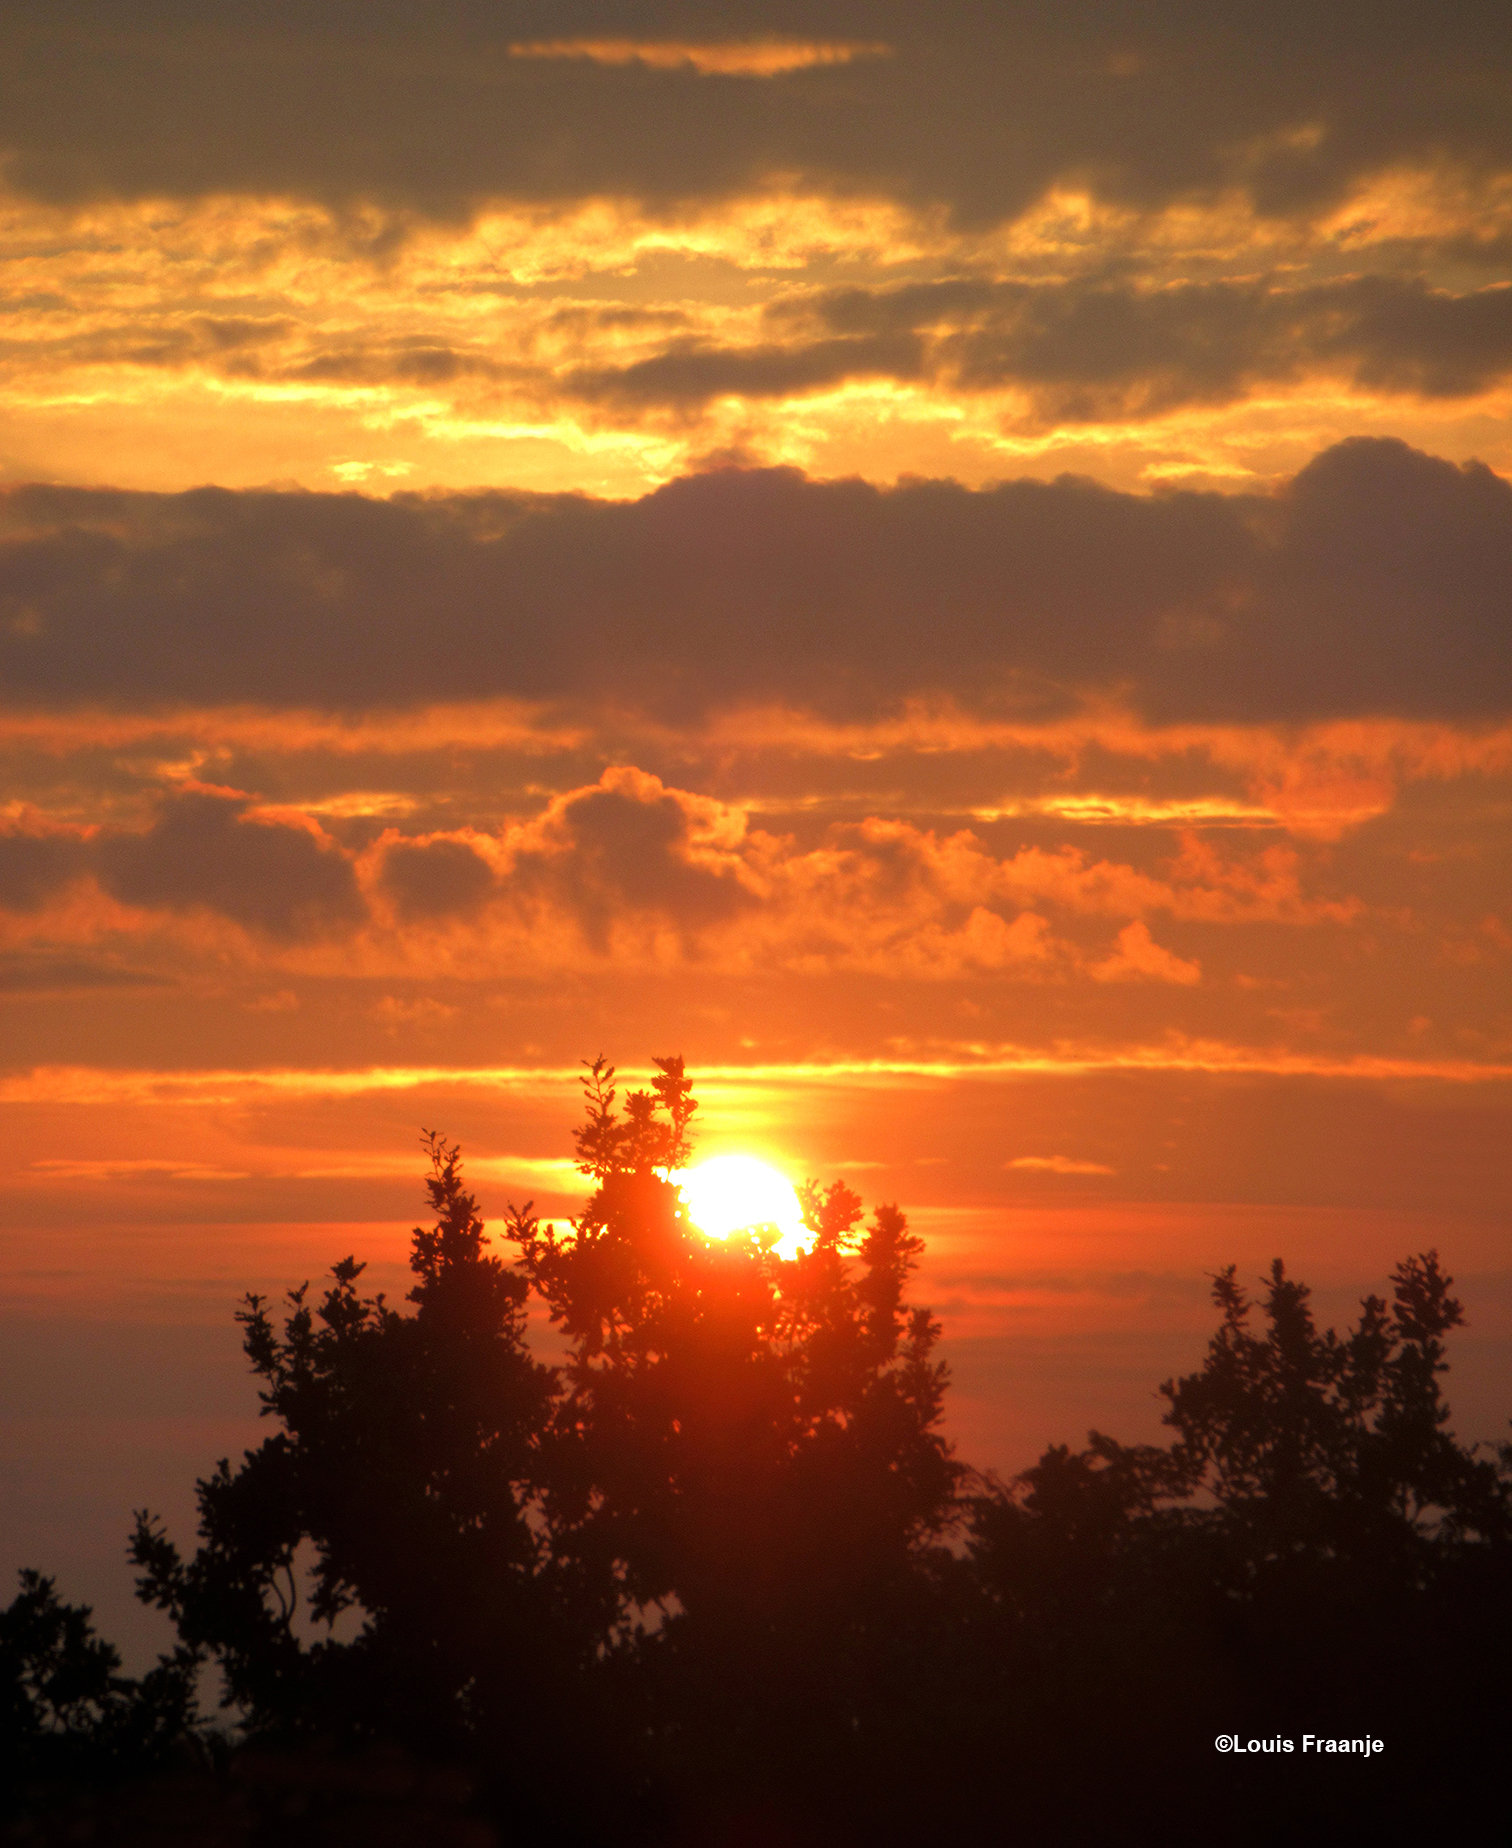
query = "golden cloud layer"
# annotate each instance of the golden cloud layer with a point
(598, 344)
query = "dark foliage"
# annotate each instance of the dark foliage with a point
(70, 1718)
(408, 1466)
(748, 1446)
(1314, 1552)
(715, 1577)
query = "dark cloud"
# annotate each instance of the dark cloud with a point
(413, 362)
(421, 108)
(1374, 582)
(41, 974)
(628, 849)
(204, 851)
(587, 321)
(1117, 347)
(1389, 568)
(227, 343)
(201, 851)
(33, 867)
(434, 879)
(693, 373)
(1090, 348)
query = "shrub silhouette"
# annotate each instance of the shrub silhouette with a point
(1313, 1550)
(1296, 1452)
(716, 1576)
(68, 1717)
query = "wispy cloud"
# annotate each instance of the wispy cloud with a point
(1059, 1164)
(755, 57)
(90, 1085)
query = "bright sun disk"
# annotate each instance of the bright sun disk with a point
(732, 1193)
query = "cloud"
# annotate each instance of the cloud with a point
(33, 867)
(436, 878)
(605, 858)
(1138, 958)
(1372, 583)
(206, 852)
(632, 872)
(1132, 339)
(629, 849)
(605, 865)
(171, 340)
(760, 57)
(606, 343)
(1058, 1164)
(44, 972)
(977, 114)
(690, 374)
(216, 1088)
(400, 1014)
(1090, 349)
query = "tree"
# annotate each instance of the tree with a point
(702, 1579)
(749, 1444)
(1314, 1548)
(697, 1533)
(407, 1468)
(69, 1718)
(1295, 1451)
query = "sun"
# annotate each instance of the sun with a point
(730, 1193)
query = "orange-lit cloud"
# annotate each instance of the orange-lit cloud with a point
(1058, 1164)
(214, 1089)
(628, 867)
(757, 57)
(598, 341)
(1138, 958)
(1319, 781)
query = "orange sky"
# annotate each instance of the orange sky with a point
(953, 572)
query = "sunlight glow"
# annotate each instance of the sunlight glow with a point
(733, 1193)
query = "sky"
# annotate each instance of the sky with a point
(949, 564)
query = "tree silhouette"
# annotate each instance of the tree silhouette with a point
(1295, 1451)
(693, 1537)
(68, 1717)
(1314, 1547)
(715, 1576)
(748, 1443)
(407, 1466)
